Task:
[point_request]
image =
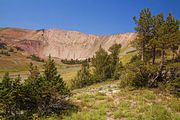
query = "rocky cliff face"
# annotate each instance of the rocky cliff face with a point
(60, 43)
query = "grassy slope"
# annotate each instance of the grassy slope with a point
(126, 54)
(105, 101)
(17, 63)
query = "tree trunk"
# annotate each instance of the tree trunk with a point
(173, 56)
(153, 54)
(142, 51)
(162, 57)
(178, 51)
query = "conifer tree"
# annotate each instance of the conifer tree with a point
(167, 36)
(143, 29)
(6, 99)
(34, 72)
(156, 23)
(83, 77)
(101, 64)
(173, 31)
(114, 57)
(53, 79)
(17, 96)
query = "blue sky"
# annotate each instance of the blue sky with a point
(87, 16)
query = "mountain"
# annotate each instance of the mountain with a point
(61, 43)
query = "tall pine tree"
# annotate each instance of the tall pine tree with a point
(143, 29)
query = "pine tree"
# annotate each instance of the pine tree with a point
(6, 98)
(83, 77)
(17, 96)
(100, 62)
(34, 72)
(167, 36)
(114, 57)
(153, 43)
(143, 29)
(173, 31)
(53, 79)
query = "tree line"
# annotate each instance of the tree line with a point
(76, 61)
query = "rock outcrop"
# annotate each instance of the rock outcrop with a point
(61, 43)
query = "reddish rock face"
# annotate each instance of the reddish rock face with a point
(60, 43)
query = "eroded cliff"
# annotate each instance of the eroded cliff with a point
(61, 43)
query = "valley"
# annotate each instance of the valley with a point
(55, 74)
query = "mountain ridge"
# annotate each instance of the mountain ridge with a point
(61, 44)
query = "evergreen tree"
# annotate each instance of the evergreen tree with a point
(53, 87)
(34, 72)
(17, 96)
(83, 77)
(114, 57)
(143, 29)
(33, 90)
(173, 35)
(53, 79)
(6, 99)
(167, 36)
(100, 62)
(153, 43)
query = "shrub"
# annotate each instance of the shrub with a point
(126, 78)
(35, 58)
(11, 50)
(132, 77)
(83, 78)
(175, 87)
(134, 58)
(118, 70)
(140, 74)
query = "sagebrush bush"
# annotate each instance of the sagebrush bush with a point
(126, 79)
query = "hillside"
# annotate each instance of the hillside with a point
(61, 43)
(17, 62)
(106, 101)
